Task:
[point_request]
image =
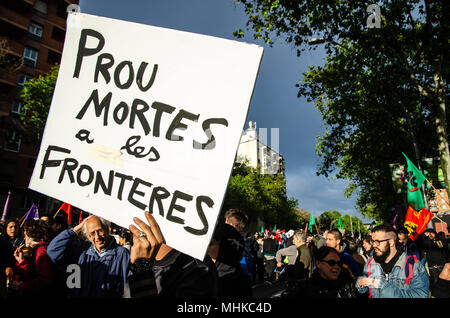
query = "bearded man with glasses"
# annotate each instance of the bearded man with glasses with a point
(391, 272)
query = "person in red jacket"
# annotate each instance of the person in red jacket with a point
(34, 272)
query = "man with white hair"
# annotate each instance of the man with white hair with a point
(103, 264)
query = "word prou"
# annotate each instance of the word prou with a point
(84, 176)
(103, 68)
(137, 110)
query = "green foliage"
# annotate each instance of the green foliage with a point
(380, 90)
(37, 96)
(261, 195)
(329, 219)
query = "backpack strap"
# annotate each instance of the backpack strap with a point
(369, 270)
(409, 264)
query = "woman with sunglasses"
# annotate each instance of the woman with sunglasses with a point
(329, 280)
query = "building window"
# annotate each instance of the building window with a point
(30, 57)
(13, 143)
(40, 6)
(53, 57)
(58, 34)
(35, 31)
(22, 80)
(17, 107)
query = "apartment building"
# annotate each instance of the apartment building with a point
(32, 35)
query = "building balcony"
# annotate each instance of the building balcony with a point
(9, 78)
(14, 18)
(14, 48)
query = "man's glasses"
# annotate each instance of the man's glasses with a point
(378, 242)
(333, 262)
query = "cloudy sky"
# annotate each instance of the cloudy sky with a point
(274, 104)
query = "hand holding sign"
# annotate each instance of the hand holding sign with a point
(146, 244)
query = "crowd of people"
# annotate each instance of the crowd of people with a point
(384, 264)
(96, 259)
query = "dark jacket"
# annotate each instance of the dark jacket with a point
(318, 287)
(304, 263)
(6, 257)
(441, 288)
(102, 276)
(270, 246)
(351, 264)
(233, 280)
(179, 275)
(435, 251)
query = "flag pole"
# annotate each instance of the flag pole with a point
(315, 224)
(23, 217)
(23, 220)
(434, 215)
(57, 212)
(435, 189)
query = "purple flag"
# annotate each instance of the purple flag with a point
(33, 213)
(5, 214)
(393, 222)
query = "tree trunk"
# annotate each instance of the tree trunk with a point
(441, 129)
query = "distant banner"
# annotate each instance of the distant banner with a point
(146, 118)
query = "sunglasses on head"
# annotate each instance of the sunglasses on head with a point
(333, 262)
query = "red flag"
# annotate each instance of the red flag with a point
(68, 209)
(416, 222)
(80, 218)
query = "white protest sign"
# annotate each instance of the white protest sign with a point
(146, 119)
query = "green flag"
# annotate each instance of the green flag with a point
(340, 226)
(311, 222)
(415, 181)
(262, 231)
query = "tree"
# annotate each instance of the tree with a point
(37, 96)
(8, 62)
(329, 220)
(261, 196)
(380, 90)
